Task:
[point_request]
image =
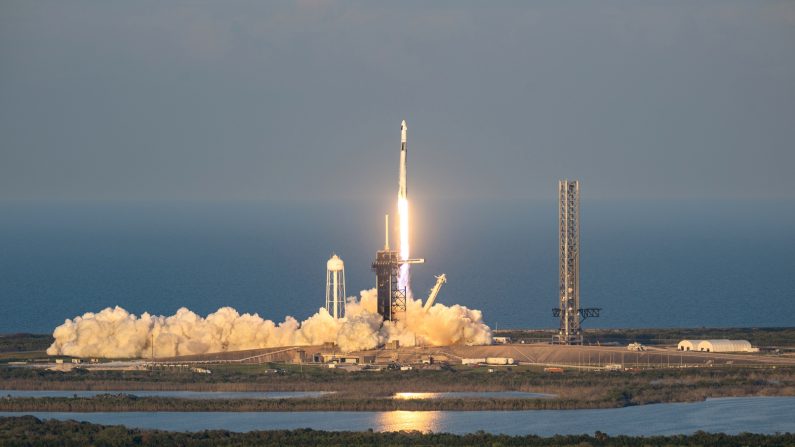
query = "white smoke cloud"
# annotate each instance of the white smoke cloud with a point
(115, 333)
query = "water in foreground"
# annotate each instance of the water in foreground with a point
(727, 415)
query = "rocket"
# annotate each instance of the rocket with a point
(402, 180)
(403, 212)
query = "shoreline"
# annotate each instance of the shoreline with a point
(120, 402)
(363, 391)
(30, 430)
(117, 404)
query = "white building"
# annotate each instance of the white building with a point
(725, 346)
(688, 345)
(721, 345)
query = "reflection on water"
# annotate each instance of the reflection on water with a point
(473, 394)
(727, 415)
(423, 421)
(406, 396)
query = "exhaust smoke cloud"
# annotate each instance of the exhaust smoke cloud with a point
(115, 333)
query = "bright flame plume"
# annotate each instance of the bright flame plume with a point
(403, 214)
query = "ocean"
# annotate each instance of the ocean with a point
(646, 263)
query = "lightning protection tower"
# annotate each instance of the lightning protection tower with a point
(570, 313)
(335, 287)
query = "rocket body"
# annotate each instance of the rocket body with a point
(402, 180)
(403, 213)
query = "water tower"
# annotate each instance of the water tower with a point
(335, 287)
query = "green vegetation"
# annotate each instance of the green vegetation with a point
(30, 431)
(25, 342)
(125, 402)
(369, 390)
(21, 347)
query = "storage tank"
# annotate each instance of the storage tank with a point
(472, 361)
(335, 287)
(499, 360)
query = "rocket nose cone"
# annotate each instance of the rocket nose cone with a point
(403, 125)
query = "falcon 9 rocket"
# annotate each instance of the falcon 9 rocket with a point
(403, 213)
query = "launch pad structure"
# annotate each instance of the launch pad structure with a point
(391, 297)
(570, 313)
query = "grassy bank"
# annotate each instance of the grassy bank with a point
(120, 402)
(23, 342)
(369, 390)
(30, 431)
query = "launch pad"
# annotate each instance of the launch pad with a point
(391, 296)
(392, 283)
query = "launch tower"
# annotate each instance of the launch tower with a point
(391, 296)
(570, 313)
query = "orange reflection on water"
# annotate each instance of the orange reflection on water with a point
(406, 396)
(423, 421)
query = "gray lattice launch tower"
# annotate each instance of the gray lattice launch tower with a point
(391, 297)
(570, 313)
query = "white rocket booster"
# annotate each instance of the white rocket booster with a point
(403, 212)
(402, 180)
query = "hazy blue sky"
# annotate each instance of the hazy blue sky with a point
(288, 100)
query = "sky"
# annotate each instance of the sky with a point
(249, 100)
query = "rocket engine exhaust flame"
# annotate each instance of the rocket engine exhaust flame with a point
(403, 214)
(115, 333)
